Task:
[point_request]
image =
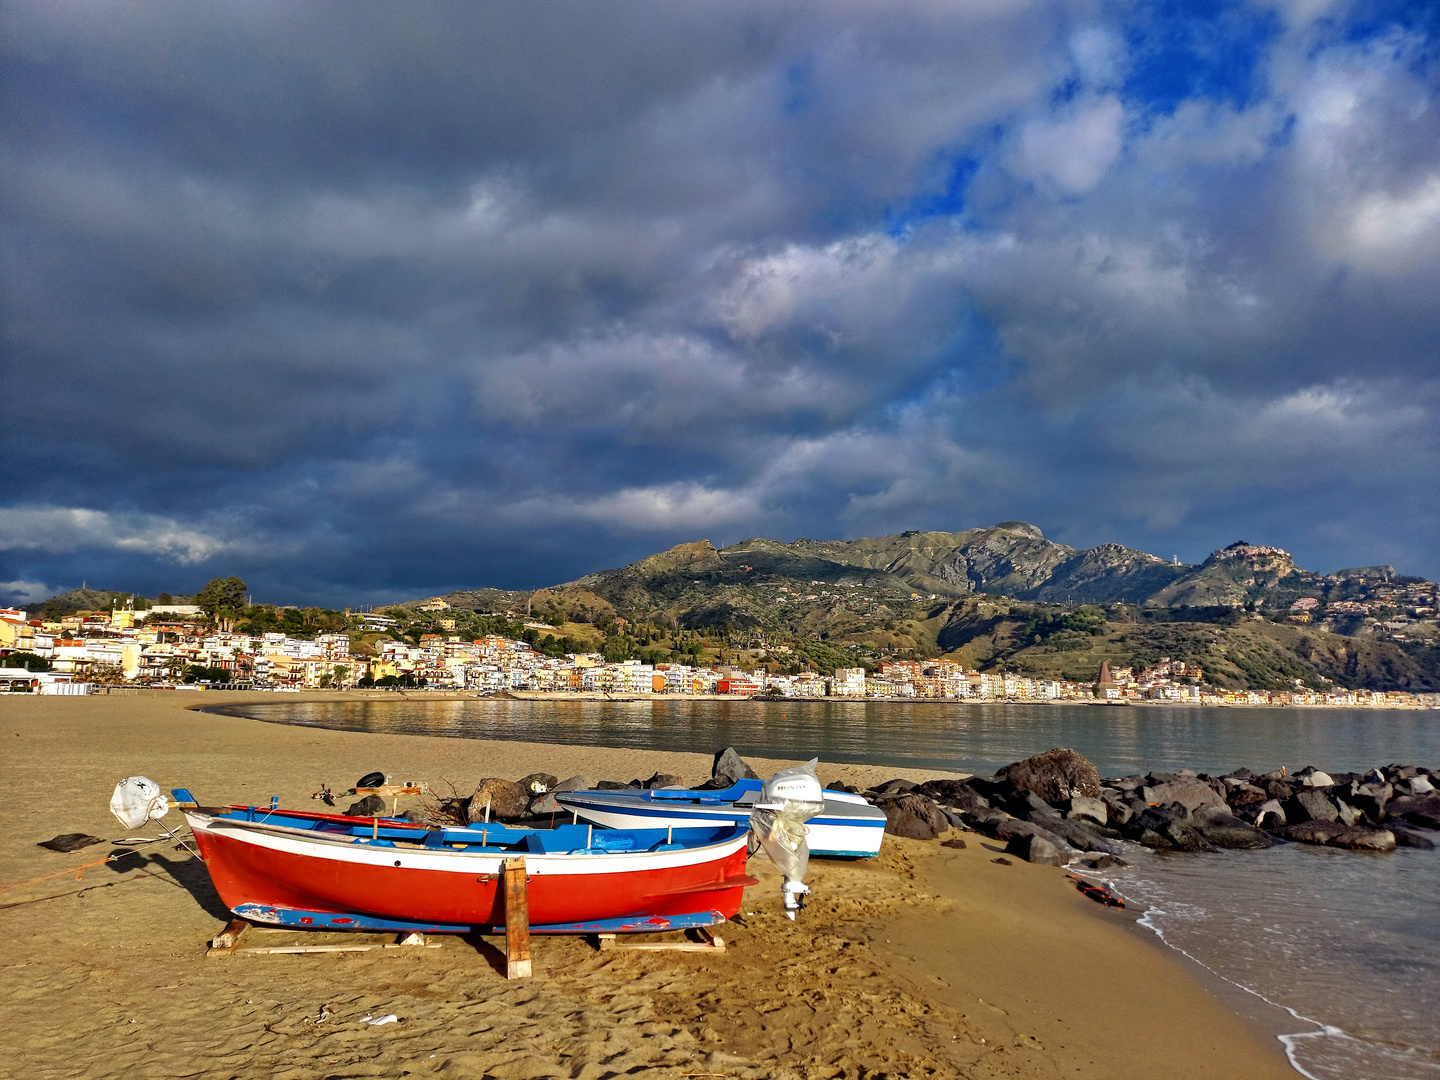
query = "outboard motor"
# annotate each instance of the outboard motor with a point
(787, 800)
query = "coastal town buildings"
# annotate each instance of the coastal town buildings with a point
(165, 648)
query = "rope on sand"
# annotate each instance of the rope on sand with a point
(76, 870)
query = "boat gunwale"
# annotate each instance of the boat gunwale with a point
(618, 801)
(564, 863)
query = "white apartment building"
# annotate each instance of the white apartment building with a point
(848, 682)
(679, 678)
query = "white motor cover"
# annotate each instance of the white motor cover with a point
(138, 799)
(794, 786)
(787, 800)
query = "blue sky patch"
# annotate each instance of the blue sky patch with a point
(1184, 49)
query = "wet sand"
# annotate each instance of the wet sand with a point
(925, 962)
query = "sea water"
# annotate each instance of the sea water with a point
(1346, 944)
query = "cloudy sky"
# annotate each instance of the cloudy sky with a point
(365, 301)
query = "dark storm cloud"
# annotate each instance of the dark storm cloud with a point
(365, 301)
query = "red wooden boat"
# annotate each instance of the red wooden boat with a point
(319, 871)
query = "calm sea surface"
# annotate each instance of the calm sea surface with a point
(1348, 944)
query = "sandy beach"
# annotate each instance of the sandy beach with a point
(926, 962)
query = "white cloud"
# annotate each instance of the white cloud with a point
(61, 530)
(1073, 152)
(1099, 55)
(772, 289)
(666, 507)
(1398, 231)
(649, 386)
(23, 592)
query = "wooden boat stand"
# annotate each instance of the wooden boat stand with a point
(227, 942)
(709, 943)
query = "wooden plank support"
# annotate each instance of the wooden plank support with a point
(368, 946)
(393, 792)
(517, 920)
(710, 944)
(224, 942)
(277, 949)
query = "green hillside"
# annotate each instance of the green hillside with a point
(1007, 597)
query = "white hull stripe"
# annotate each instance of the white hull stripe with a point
(837, 838)
(721, 814)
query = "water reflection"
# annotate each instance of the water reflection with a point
(951, 736)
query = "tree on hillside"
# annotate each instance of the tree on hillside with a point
(223, 599)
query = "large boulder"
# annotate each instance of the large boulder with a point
(1056, 776)
(1154, 817)
(1175, 837)
(957, 793)
(994, 788)
(1025, 803)
(548, 804)
(1086, 806)
(1422, 810)
(985, 819)
(1279, 789)
(1269, 814)
(537, 783)
(1034, 843)
(660, 781)
(729, 768)
(1311, 832)
(1011, 828)
(1084, 835)
(507, 800)
(1189, 791)
(1348, 814)
(1407, 837)
(1228, 831)
(1311, 805)
(1359, 838)
(1370, 800)
(952, 816)
(898, 786)
(1037, 849)
(914, 817)
(1166, 828)
(1243, 794)
(1117, 809)
(370, 806)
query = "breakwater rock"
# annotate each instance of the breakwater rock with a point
(1055, 807)
(1052, 807)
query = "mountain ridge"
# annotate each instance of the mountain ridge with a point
(999, 597)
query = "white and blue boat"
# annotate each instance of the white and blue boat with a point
(848, 826)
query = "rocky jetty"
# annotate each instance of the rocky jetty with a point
(1056, 808)
(1052, 807)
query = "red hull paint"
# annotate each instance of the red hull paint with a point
(246, 873)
